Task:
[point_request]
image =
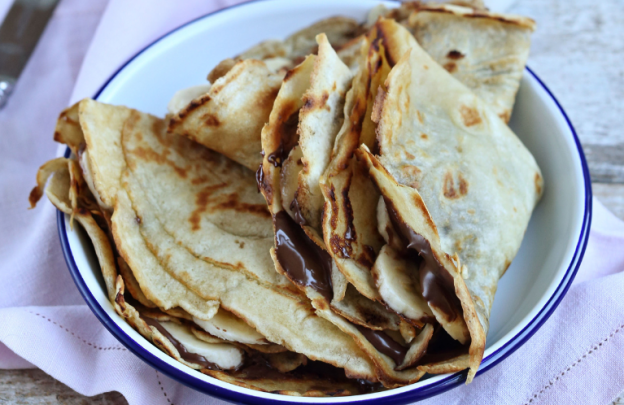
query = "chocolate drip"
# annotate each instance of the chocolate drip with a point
(296, 209)
(437, 283)
(442, 347)
(288, 140)
(185, 354)
(384, 344)
(305, 263)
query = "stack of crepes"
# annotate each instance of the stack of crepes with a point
(393, 198)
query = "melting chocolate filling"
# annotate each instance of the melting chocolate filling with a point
(442, 347)
(288, 140)
(437, 283)
(296, 209)
(185, 354)
(305, 263)
(384, 344)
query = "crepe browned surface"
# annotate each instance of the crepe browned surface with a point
(485, 51)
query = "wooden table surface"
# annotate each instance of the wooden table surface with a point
(577, 51)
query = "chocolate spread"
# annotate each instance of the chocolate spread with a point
(384, 344)
(185, 354)
(437, 283)
(305, 263)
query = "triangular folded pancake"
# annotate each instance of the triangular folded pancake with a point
(466, 189)
(485, 51)
(229, 117)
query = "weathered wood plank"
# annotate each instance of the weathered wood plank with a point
(34, 387)
(577, 51)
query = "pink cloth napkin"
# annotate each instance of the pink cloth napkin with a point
(576, 357)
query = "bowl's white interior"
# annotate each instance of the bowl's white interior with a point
(184, 59)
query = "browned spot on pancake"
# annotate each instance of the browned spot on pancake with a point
(57, 137)
(538, 183)
(334, 87)
(161, 159)
(193, 105)
(340, 247)
(505, 116)
(425, 67)
(420, 117)
(452, 191)
(310, 103)
(201, 202)
(449, 188)
(506, 266)
(210, 120)
(158, 127)
(424, 136)
(378, 104)
(409, 155)
(411, 172)
(241, 244)
(383, 38)
(463, 185)
(231, 201)
(321, 305)
(450, 67)
(267, 99)
(455, 55)
(367, 258)
(469, 115)
(334, 207)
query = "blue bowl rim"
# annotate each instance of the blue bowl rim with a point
(421, 393)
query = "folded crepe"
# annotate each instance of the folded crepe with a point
(193, 235)
(458, 189)
(485, 51)
(228, 118)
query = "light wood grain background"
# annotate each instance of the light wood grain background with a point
(577, 51)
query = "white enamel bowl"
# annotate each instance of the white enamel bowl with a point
(528, 293)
